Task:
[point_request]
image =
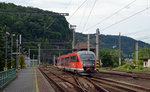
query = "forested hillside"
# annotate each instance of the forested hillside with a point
(32, 27)
(108, 42)
(35, 27)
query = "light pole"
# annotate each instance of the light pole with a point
(7, 33)
(12, 35)
(39, 45)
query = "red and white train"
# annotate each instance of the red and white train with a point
(82, 62)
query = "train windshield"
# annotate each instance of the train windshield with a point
(88, 59)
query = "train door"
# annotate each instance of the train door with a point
(77, 63)
(69, 65)
(76, 59)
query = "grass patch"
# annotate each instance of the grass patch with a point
(131, 68)
(0, 90)
(102, 69)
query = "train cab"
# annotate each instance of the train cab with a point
(82, 62)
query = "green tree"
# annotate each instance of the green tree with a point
(21, 61)
(142, 53)
(2, 49)
(109, 58)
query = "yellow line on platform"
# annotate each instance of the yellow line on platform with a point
(36, 82)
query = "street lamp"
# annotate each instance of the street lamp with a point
(7, 33)
(12, 35)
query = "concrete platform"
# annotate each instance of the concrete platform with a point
(29, 80)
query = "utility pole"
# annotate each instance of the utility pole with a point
(12, 47)
(6, 48)
(33, 63)
(73, 40)
(39, 45)
(29, 53)
(97, 50)
(5, 68)
(119, 52)
(54, 60)
(137, 54)
(29, 56)
(88, 41)
(20, 38)
(17, 52)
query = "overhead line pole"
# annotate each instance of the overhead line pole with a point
(73, 40)
(39, 45)
(12, 48)
(97, 50)
(29, 53)
(136, 54)
(88, 41)
(119, 52)
(17, 52)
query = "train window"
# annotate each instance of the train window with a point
(66, 61)
(87, 57)
(77, 59)
(58, 61)
(62, 61)
(74, 59)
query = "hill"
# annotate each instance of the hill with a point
(34, 28)
(108, 42)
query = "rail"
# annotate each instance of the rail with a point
(6, 77)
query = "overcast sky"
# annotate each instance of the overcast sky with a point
(110, 16)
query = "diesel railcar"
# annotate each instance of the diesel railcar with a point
(82, 62)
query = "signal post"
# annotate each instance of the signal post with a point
(97, 50)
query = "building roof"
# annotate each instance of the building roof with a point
(145, 59)
(83, 46)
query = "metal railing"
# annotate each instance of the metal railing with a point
(6, 77)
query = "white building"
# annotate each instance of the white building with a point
(27, 61)
(146, 62)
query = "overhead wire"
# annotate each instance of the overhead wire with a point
(69, 3)
(84, 11)
(125, 18)
(89, 15)
(77, 9)
(111, 15)
(143, 38)
(135, 32)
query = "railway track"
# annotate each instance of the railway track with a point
(68, 82)
(119, 86)
(71, 83)
(61, 84)
(88, 85)
(128, 74)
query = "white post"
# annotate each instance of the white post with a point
(88, 42)
(119, 50)
(137, 54)
(39, 54)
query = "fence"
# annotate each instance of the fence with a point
(6, 77)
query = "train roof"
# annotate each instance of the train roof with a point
(80, 53)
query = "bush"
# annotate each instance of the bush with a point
(22, 62)
(13, 63)
(141, 67)
(126, 67)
